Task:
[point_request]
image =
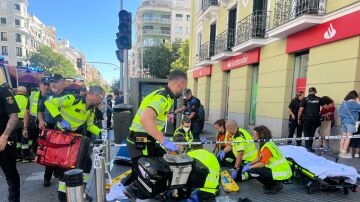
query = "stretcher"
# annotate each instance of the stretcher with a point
(317, 173)
(227, 182)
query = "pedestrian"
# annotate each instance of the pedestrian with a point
(119, 98)
(270, 167)
(184, 132)
(349, 114)
(194, 107)
(327, 118)
(46, 121)
(294, 125)
(8, 119)
(21, 130)
(244, 152)
(309, 116)
(223, 135)
(355, 143)
(146, 131)
(109, 111)
(76, 114)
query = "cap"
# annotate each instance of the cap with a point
(56, 77)
(312, 90)
(187, 91)
(21, 89)
(45, 79)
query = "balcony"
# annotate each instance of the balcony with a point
(206, 51)
(156, 32)
(251, 31)
(209, 8)
(291, 16)
(156, 20)
(223, 44)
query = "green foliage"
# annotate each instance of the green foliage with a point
(165, 57)
(52, 62)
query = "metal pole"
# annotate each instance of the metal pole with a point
(99, 168)
(121, 76)
(107, 154)
(126, 91)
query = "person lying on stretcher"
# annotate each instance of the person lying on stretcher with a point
(271, 167)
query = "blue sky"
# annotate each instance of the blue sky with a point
(90, 25)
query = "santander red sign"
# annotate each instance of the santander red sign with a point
(334, 30)
(242, 59)
(203, 71)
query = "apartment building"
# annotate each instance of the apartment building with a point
(249, 58)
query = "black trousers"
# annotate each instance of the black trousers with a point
(309, 128)
(293, 125)
(108, 120)
(8, 166)
(196, 128)
(49, 170)
(263, 175)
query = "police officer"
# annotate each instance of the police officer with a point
(244, 152)
(8, 120)
(57, 85)
(76, 113)
(184, 132)
(147, 126)
(193, 106)
(22, 141)
(36, 97)
(309, 116)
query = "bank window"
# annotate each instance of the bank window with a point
(18, 38)
(18, 51)
(3, 36)
(179, 17)
(3, 21)
(254, 94)
(300, 72)
(4, 50)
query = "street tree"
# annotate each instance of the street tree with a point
(180, 55)
(158, 59)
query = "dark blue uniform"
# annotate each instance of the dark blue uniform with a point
(197, 124)
(8, 155)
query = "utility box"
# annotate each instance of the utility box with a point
(123, 116)
(141, 87)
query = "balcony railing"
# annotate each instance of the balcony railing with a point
(207, 50)
(156, 32)
(156, 19)
(205, 4)
(225, 41)
(287, 10)
(253, 26)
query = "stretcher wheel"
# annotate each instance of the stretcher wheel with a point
(346, 191)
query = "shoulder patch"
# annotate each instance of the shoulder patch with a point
(10, 100)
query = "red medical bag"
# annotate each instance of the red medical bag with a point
(60, 149)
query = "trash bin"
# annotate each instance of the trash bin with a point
(123, 115)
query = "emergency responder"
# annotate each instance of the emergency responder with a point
(270, 167)
(194, 107)
(35, 99)
(224, 136)
(76, 113)
(22, 141)
(244, 152)
(109, 111)
(184, 132)
(309, 116)
(146, 131)
(8, 120)
(46, 121)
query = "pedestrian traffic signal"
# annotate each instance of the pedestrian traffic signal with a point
(123, 37)
(120, 55)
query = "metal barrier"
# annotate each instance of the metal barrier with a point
(74, 181)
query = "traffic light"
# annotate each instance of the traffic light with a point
(120, 55)
(79, 63)
(123, 37)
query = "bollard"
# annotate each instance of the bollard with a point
(107, 154)
(99, 168)
(74, 185)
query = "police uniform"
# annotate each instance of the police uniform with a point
(8, 155)
(22, 143)
(248, 148)
(193, 105)
(73, 110)
(310, 117)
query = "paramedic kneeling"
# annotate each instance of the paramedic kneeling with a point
(271, 167)
(244, 152)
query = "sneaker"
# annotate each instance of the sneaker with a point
(357, 156)
(26, 160)
(348, 156)
(46, 183)
(244, 176)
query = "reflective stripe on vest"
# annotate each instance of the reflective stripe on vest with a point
(21, 101)
(250, 151)
(279, 166)
(34, 102)
(76, 115)
(62, 187)
(187, 135)
(210, 161)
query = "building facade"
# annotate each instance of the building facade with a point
(249, 58)
(157, 22)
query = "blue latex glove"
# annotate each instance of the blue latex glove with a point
(203, 139)
(234, 173)
(245, 168)
(169, 145)
(65, 125)
(221, 155)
